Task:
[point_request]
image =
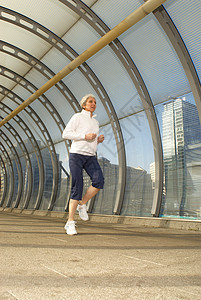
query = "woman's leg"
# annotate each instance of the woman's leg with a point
(90, 193)
(76, 162)
(93, 169)
(72, 209)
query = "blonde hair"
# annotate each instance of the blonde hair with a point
(84, 99)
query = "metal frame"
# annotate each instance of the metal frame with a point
(168, 26)
(24, 150)
(30, 87)
(24, 22)
(46, 72)
(36, 148)
(38, 121)
(185, 59)
(100, 27)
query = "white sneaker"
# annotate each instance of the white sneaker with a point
(70, 228)
(82, 209)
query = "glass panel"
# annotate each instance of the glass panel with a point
(2, 182)
(140, 156)
(156, 60)
(16, 181)
(186, 17)
(48, 121)
(108, 160)
(116, 81)
(181, 135)
(35, 171)
(79, 86)
(114, 11)
(8, 171)
(64, 177)
(36, 179)
(48, 183)
(25, 182)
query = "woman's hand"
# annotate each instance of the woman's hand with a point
(100, 139)
(90, 136)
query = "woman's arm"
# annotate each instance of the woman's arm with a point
(70, 132)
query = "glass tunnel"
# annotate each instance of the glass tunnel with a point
(147, 87)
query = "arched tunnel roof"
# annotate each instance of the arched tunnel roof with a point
(142, 81)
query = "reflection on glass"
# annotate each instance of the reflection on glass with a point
(7, 198)
(35, 185)
(64, 177)
(139, 156)
(16, 179)
(105, 199)
(35, 170)
(2, 183)
(182, 156)
(48, 182)
(181, 137)
(108, 160)
(25, 182)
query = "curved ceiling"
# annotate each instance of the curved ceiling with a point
(146, 43)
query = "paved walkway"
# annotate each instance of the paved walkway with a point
(104, 261)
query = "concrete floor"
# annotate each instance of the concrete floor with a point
(104, 261)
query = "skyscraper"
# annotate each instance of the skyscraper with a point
(181, 139)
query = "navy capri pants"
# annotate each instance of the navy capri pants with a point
(78, 163)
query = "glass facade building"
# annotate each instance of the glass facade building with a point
(181, 144)
(147, 87)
